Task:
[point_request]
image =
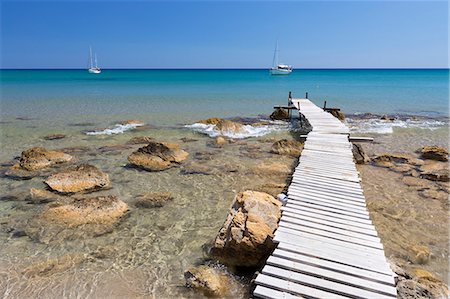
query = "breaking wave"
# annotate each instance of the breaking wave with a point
(246, 131)
(379, 126)
(117, 129)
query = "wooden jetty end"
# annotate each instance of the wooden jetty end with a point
(327, 246)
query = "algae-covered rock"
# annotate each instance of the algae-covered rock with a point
(157, 156)
(288, 147)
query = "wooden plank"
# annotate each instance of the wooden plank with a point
(321, 175)
(360, 139)
(299, 199)
(378, 289)
(334, 182)
(317, 197)
(288, 286)
(328, 222)
(353, 187)
(288, 270)
(328, 240)
(320, 229)
(326, 194)
(328, 164)
(300, 204)
(363, 261)
(326, 168)
(316, 211)
(331, 265)
(268, 293)
(349, 177)
(336, 192)
(335, 237)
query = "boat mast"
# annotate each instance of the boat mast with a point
(90, 57)
(275, 56)
(96, 61)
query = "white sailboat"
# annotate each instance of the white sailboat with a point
(93, 68)
(277, 68)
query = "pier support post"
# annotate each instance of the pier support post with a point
(306, 96)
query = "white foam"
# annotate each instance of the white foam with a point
(117, 129)
(379, 126)
(246, 131)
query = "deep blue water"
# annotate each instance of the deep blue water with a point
(171, 96)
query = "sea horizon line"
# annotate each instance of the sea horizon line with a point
(202, 69)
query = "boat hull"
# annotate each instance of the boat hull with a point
(280, 72)
(94, 71)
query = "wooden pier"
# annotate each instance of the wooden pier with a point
(327, 246)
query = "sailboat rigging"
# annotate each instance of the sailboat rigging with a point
(277, 68)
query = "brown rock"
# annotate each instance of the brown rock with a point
(42, 196)
(434, 153)
(220, 141)
(140, 140)
(266, 167)
(55, 265)
(359, 154)
(54, 136)
(211, 282)
(153, 199)
(209, 121)
(279, 114)
(38, 158)
(412, 181)
(245, 238)
(157, 156)
(228, 127)
(272, 188)
(420, 254)
(288, 147)
(434, 194)
(18, 173)
(197, 168)
(435, 171)
(338, 114)
(80, 178)
(132, 122)
(386, 160)
(95, 210)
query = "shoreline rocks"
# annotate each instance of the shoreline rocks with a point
(38, 158)
(84, 177)
(291, 148)
(245, 238)
(157, 156)
(279, 114)
(434, 153)
(211, 282)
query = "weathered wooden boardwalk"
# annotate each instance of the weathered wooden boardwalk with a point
(327, 245)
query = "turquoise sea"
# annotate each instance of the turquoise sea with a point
(172, 96)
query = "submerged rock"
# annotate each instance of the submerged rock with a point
(197, 168)
(18, 173)
(207, 280)
(435, 171)
(210, 121)
(132, 122)
(42, 196)
(246, 237)
(38, 158)
(54, 136)
(359, 154)
(55, 265)
(140, 140)
(153, 199)
(288, 147)
(434, 153)
(397, 162)
(267, 167)
(420, 254)
(420, 283)
(279, 114)
(157, 156)
(84, 177)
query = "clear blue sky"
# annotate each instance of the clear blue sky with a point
(215, 34)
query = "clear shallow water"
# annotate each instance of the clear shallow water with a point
(150, 249)
(173, 96)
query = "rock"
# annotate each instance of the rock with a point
(416, 182)
(246, 237)
(157, 156)
(55, 265)
(42, 196)
(279, 114)
(384, 117)
(434, 153)
(140, 140)
(266, 167)
(387, 160)
(153, 199)
(228, 127)
(132, 122)
(359, 154)
(434, 194)
(197, 168)
(272, 188)
(220, 141)
(54, 137)
(18, 173)
(287, 147)
(38, 158)
(113, 149)
(203, 156)
(93, 210)
(420, 254)
(80, 178)
(211, 282)
(209, 121)
(186, 140)
(338, 114)
(435, 171)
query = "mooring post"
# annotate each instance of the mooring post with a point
(324, 105)
(289, 104)
(306, 96)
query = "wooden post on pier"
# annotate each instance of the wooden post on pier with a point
(289, 104)
(324, 105)
(306, 96)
